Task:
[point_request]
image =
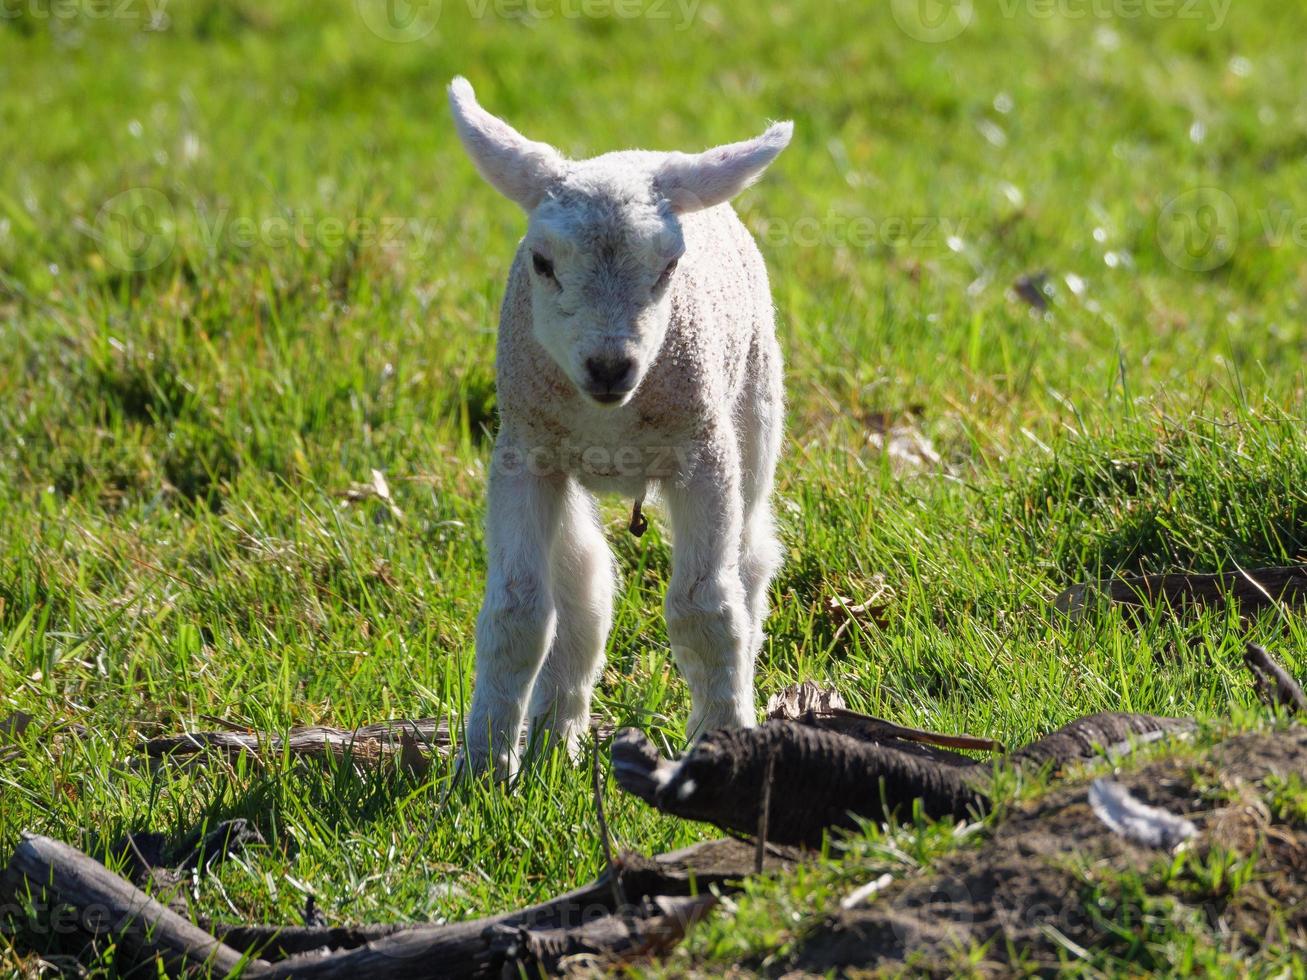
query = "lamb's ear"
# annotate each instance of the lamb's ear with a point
(692, 181)
(520, 169)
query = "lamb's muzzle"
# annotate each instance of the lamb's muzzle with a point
(637, 355)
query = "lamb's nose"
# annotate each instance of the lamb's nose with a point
(610, 377)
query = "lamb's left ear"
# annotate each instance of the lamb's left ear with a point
(520, 169)
(693, 181)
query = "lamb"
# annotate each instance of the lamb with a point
(637, 354)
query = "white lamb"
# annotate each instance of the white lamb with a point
(637, 354)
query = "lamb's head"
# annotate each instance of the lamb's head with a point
(604, 237)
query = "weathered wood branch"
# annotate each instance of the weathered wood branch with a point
(828, 779)
(507, 947)
(663, 897)
(824, 708)
(829, 768)
(1253, 590)
(1274, 685)
(413, 741)
(1088, 737)
(831, 779)
(52, 874)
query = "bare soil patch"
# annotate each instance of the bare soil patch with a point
(1051, 880)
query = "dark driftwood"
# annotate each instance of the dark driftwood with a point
(830, 769)
(505, 948)
(281, 942)
(827, 779)
(664, 896)
(1252, 589)
(830, 779)
(155, 857)
(821, 707)
(107, 906)
(913, 741)
(1088, 737)
(412, 741)
(1274, 685)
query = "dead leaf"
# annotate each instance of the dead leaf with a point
(871, 611)
(411, 757)
(897, 435)
(1034, 289)
(377, 489)
(797, 700)
(1135, 820)
(14, 726)
(859, 896)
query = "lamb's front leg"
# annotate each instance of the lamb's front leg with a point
(517, 614)
(584, 582)
(707, 618)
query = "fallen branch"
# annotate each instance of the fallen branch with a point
(831, 780)
(1253, 590)
(663, 896)
(1274, 685)
(787, 782)
(53, 874)
(1089, 737)
(824, 708)
(414, 742)
(828, 779)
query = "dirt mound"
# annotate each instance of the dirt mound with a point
(1052, 881)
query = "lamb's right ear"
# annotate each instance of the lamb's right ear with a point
(693, 181)
(520, 169)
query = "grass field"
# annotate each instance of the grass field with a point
(243, 263)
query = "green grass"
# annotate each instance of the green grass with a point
(310, 292)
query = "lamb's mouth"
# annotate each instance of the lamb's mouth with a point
(608, 397)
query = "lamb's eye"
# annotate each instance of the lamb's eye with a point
(667, 272)
(543, 267)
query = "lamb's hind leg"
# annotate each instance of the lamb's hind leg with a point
(760, 556)
(584, 578)
(760, 549)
